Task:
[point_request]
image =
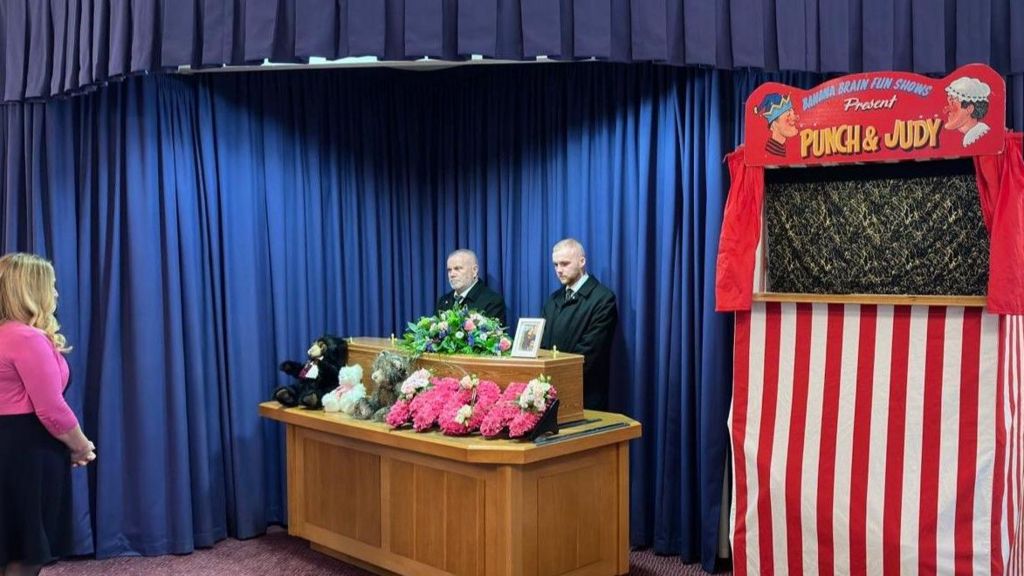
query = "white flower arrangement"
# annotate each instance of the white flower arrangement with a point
(534, 396)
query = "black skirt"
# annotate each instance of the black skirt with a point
(35, 492)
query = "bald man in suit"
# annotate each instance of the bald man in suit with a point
(467, 289)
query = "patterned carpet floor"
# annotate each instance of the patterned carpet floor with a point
(278, 553)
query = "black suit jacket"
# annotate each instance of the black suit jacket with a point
(480, 298)
(584, 325)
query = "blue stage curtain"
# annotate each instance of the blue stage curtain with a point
(206, 228)
(59, 47)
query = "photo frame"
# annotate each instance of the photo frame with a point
(529, 333)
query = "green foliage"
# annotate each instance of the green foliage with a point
(456, 331)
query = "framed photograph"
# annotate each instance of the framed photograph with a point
(528, 336)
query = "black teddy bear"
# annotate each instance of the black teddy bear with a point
(315, 378)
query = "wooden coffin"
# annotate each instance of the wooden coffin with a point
(566, 371)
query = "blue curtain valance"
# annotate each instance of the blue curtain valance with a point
(60, 47)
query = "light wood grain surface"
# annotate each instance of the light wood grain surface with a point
(400, 502)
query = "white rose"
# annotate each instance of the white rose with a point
(464, 414)
(525, 400)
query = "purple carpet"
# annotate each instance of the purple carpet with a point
(278, 553)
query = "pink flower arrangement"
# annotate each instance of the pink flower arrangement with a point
(520, 408)
(533, 402)
(398, 414)
(426, 407)
(467, 407)
(401, 412)
(460, 407)
(503, 411)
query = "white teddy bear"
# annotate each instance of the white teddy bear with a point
(349, 392)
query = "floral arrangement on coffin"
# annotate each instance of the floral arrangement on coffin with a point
(456, 331)
(466, 408)
(401, 412)
(520, 408)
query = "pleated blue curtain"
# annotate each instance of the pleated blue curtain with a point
(206, 228)
(58, 47)
(128, 226)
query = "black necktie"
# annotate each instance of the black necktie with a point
(569, 295)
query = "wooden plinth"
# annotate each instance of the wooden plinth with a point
(566, 371)
(408, 503)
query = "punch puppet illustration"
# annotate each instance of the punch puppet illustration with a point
(778, 111)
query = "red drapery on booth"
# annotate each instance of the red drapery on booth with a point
(1001, 190)
(741, 232)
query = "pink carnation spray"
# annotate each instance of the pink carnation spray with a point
(465, 410)
(427, 406)
(503, 411)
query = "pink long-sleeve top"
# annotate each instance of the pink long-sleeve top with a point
(33, 375)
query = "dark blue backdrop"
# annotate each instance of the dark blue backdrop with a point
(70, 46)
(206, 228)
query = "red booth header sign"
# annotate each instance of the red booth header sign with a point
(877, 117)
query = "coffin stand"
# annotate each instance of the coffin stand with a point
(401, 502)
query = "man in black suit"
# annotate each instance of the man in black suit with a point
(581, 318)
(467, 289)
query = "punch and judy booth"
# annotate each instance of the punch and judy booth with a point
(873, 253)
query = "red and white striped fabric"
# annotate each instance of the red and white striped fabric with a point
(874, 439)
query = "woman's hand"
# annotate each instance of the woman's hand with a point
(82, 449)
(83, 455)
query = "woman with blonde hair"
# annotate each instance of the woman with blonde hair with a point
(40, 439)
